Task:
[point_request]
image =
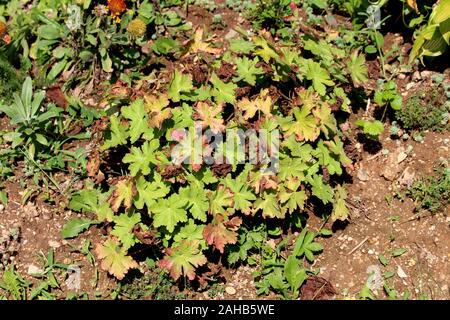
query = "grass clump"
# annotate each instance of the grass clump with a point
(432, 193)
(10, 80)
(425, 111)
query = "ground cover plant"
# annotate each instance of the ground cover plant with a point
(171, 146)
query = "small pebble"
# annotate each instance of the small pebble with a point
(230, 290)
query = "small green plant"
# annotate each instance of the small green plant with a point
(372, 129)
(432, 193)
(425, 110)
(10, 80)
(285, 275)
(26, 112)
(154, 284)
(14, 286)
(386, 95)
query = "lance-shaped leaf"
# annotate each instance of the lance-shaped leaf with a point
(210, 116)
(158, 109)
(169, 212)
(221, 232)
(141, 159)
(123, 194)
(183, 259)
(114, 258)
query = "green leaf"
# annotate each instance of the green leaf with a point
(75, 226)
(294, 274)
(56, 69)
(169, 212)
(139, 120)
(372, 128)
(340, 210)
(106, 63)
(220, 200)
(141, 159)
(222, 92)
(149, 192)
(321, 190)
(197, 200)
(183, 259)
(268, 204)
(247, 70)
(123, 228)
(319, 76)
(242, 194)
(241, 46)
(266, 50)
(305, 126)
(180, 83)
(118, 134)
(114, 258)
(398, 252)
(357, 68)
(383, 260)
(3, 197)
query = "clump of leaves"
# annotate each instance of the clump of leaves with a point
(286, 275)
(425, 110)
(432, 193)
(187, 202)
(10, 80)
(154, 284)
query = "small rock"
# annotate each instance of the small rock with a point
(409, 86)
(230, 290)
(416, 76)
(2, 207)
(362, 174)
(401, 156)
(392, 168)
(47, 216)
(375, 279)
(402, 76)
(401, 273)
(426, 74)
(33, 270)
(54, 244)
(231, 34)
(407, 177)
